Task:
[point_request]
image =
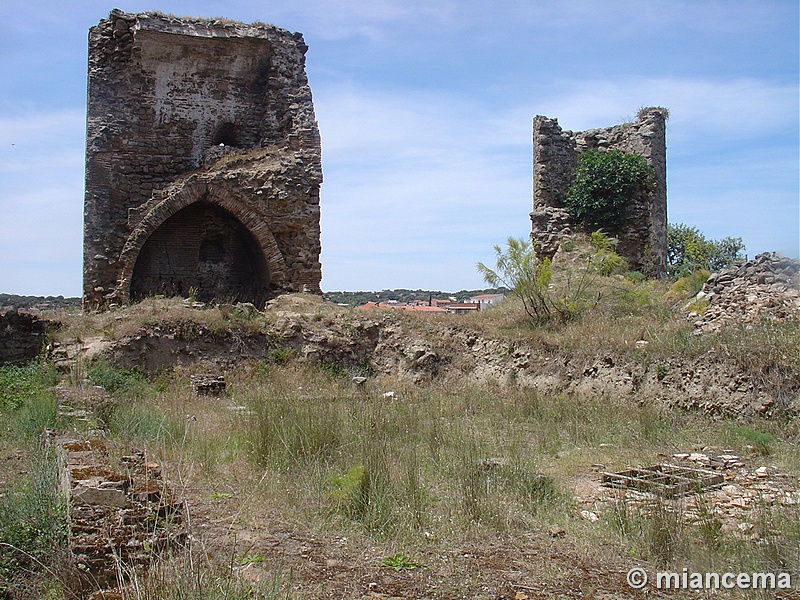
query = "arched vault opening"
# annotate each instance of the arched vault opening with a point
(202, 240)
(204, 251)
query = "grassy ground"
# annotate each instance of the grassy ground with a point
(300, 484)
(296, 477)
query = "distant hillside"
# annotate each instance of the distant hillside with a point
(39, 302)
(403, 295)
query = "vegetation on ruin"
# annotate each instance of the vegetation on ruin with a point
(604, 184)
(644, 110)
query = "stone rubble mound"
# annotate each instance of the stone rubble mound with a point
(764, 288)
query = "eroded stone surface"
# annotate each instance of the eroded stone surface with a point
(643, 235)
(22, 336)
(203, 161)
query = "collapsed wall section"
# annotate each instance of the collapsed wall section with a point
(203, 161)
(643, 235)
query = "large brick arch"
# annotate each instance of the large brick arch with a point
(190, 193)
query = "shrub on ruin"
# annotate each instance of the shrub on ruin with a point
(604, 184)
(605, 259)
(519, 269)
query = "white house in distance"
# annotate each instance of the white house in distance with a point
(486, 300)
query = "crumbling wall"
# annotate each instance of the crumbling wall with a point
(643, 236)
(120, 516)
(203, 161)
(22, 336)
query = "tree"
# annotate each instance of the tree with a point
(604, 184)
(688, 250)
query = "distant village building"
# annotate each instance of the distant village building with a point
(463, 308)
(486, 300)
(434, 305)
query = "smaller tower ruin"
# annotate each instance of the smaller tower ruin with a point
(203, 161)
(643, 236)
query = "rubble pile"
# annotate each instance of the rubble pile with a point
(766, 287)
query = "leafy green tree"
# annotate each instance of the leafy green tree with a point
(604, 184)
(688, 251)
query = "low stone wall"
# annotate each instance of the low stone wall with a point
(121, 513)
(22, 336)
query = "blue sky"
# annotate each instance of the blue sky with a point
(425, 109)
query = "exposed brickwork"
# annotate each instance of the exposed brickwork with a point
(215, 115)
(119, 515)
(643, 237)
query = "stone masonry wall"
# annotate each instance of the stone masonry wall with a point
(643, 237)
(22, 336)
(210, 113)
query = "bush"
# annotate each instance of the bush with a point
(606, 261)
(27, 398)
(604, 184)
(21, 384)
(687, 286)
(527, 276)
(120, 383)
(688, 251)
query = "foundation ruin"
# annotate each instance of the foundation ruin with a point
(643, 235)
(203, 162)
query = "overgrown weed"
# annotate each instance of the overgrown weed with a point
(33, 527)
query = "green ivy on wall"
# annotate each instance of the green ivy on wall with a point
(604, 185)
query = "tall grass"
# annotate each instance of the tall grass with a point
(33, 529)
(439, 464)
(198, 575)
(27, 403)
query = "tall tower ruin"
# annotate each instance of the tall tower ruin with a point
(643, 235)
(203, 161)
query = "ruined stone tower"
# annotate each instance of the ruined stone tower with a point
(643, 236)
(203, 161)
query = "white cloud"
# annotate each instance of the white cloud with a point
(726, 109)
(414, 179)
